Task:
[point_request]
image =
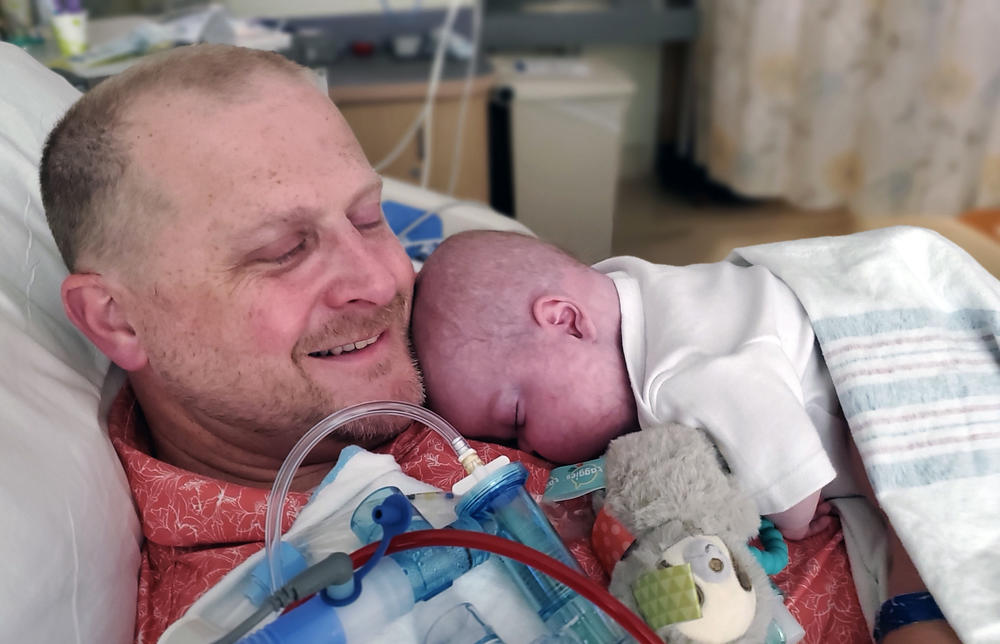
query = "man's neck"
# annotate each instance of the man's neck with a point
(233, 469)
(182, 441)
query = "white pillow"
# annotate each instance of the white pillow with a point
(456, 214)
(70, 538)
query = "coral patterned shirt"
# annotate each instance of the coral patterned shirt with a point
(198, 528)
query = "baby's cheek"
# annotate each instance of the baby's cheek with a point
(554, 444)
(491, 434)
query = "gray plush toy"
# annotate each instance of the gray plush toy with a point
(671, 490)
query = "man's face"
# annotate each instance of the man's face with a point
(273, 293)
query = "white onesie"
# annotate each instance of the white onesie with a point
(730, 349)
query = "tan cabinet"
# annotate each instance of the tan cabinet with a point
(380, 115)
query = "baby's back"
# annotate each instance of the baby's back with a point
(729, 348)
(714, 310)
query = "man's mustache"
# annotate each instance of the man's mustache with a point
(350, 327)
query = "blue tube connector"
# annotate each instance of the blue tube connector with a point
(429, 570)
(385, 597)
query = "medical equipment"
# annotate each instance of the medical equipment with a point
(424, 120)
(429, 570)
(298, 625)
(460, 625)
(340, 612)
(502, 498)
(282, 483)
(497, 502)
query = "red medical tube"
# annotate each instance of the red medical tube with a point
(559, 571)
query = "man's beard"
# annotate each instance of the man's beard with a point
(373, 429)
(292, 407)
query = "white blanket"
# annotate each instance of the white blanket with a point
(909, 326)
(359, 473)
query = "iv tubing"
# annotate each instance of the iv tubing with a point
(463, 104)
(283, 481)
(559, 571)
(436, 72)
(426, 112)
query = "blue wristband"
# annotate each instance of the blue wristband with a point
(905, 609)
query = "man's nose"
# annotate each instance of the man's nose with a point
(359, 273)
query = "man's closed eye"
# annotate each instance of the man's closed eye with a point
(289, 255)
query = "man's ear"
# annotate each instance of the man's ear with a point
(91, 306)
(563, 314)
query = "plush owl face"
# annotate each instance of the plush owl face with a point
(725, 593)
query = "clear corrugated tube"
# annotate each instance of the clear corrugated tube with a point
(283, 482)
(586, 587)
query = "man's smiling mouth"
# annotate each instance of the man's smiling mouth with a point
(345, 348)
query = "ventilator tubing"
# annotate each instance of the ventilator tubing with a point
(282, 483)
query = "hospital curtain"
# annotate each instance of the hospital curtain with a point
(883, 106)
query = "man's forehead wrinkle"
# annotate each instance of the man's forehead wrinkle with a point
(279, 210)
(241, 186)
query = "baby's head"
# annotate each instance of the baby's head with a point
(520, 342)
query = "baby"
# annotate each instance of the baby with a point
(520, 342)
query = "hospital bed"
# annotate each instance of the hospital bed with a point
(71, 541)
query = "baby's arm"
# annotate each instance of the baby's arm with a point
(761, 427)
(804, 519)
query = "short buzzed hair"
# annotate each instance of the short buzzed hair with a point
(93, 194)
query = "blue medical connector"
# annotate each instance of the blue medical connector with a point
(501, 500)
(380, 591)
(430, 570)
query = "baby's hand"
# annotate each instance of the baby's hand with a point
(821, 520)
(797, 522)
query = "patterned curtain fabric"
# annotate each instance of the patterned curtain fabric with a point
(884, 106)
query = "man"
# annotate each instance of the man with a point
(227, 249)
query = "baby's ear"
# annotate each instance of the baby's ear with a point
(559, 313)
